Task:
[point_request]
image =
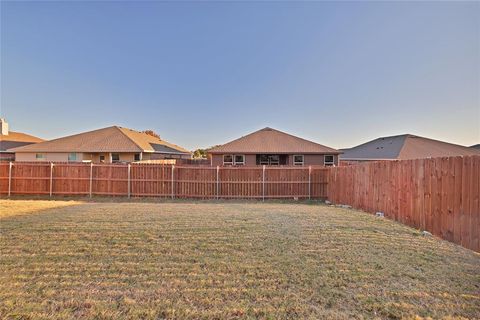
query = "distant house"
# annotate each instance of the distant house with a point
(403, 147)
(107, 145)
(476, 146)
(272, 147)
(10, 139)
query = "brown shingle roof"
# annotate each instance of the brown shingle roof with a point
(268, 140)
(405, 147)
(110, 139)
(19, 137)
(14, 139)
(151, 143)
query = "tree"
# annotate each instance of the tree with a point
(151, 133)
(200, 154)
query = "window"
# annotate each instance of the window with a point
(274, 159)
(72, 156)
(40, 156)
(136, 157)
(328, 160)
(115, 157)
(227, 159)
(102, 158)
(298, 160)
(239, 159)
(263, 159)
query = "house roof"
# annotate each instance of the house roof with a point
(476, 146)
(110, 139)
(403, 147)
(15, 139)
(268, 140)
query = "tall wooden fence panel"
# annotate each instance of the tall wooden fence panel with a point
(440, 195)
(157, 180)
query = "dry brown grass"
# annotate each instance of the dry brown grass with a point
(226, 260)
(10, 208)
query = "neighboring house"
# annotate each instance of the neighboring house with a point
(403, 147)
(476, 146)
(10, 139)
(107, 145)
(272, 147)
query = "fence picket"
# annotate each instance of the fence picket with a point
(441, 195)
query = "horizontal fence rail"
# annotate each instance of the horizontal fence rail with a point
(440, 195)
(154, 180)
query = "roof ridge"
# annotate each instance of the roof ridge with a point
(69, 136)
(249, 134)
(279, 136)
(134, 142)
(297, 137)
(403, 146)
(148, 141)
(430, 139)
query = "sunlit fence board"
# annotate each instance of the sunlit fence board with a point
(440, 195)
(159, 180)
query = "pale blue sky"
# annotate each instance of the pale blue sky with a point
(204, 73)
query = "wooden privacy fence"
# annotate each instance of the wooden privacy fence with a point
(163, 180)
(440, 195)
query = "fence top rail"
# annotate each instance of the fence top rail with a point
(397, 161)
(39, 164)
(156, 165)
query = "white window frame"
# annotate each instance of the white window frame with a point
(71, 153)
(228, 163)
(297, 163)
(42, 156)
(332, 163)
(242, 163)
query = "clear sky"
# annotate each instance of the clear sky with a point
(203, 73)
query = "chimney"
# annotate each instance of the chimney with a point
(3, 126)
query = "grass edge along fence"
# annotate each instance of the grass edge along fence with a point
(168, 181)
(440, 195)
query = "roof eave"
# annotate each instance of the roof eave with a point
(167, 152)
(366, 159)
(275, 152)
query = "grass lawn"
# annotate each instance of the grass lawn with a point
(106, 260)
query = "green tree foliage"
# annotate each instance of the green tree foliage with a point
(200, 154)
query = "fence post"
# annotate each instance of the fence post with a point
(173, 182)
(263, 184)
(218, 181)
(309, 182)
(10, 178)
(128, 181)
(91, 179)
(51, 178)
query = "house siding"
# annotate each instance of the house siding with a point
(63, 156)
(160, 156)
(251, 159)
